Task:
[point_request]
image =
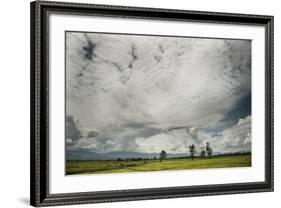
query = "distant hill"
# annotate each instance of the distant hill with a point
(83, 154)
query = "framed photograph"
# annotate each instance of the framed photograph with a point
(132, 103)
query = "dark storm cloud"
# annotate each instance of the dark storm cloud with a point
(242, 109)
(89, 49)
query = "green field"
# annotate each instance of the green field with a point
(113, 166)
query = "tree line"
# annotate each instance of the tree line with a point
(204, 151)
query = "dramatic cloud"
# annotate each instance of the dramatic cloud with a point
(146, 93)
(237, 137)
(72, 131)
(233, 139)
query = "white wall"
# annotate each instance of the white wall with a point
(14, 104)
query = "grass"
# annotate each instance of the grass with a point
(113, 166)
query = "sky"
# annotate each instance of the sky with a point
(151, 93)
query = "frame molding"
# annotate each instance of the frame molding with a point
(39, 87)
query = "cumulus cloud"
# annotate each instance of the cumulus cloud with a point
(237, 137)
(233, 139)
(72, 131)
(135, 92)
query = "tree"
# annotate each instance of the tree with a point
(203, 152)
(192, 151)
(209, 150)
(163, 155)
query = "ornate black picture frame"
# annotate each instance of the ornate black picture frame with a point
(40, 105)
